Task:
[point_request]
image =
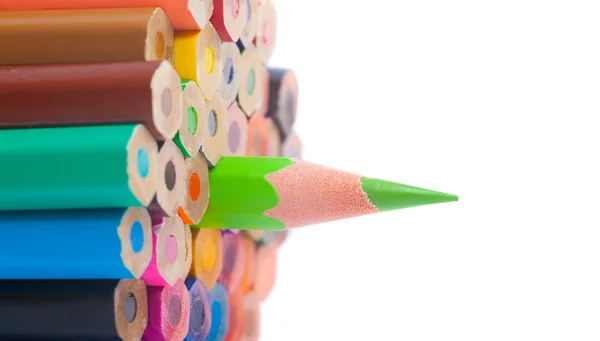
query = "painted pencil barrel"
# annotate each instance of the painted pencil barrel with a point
(77, 167)
(266, 36)
(86, 244)
(237, 131)
(200, 310)
(219, 302)
(292, 147)
(73, 310)
(168, 253)
(229, 19)
(230, 83)
(266, 266)
(249, 273)
(183, 14)
(92, 94)
(168, 313)
(85, 36)
(250, 29)
(198, 57)
(196, 192)
(250, 90)
(216, 137)
(233, 261)
(192, 130)
(237, 316)
(207, 248)
(170, 180)
(283, 99)
(252, 318)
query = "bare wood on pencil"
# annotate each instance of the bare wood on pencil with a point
(229, 18)
(189, 255)
(192, 135)
(273, 139)
(92, 94)
(136, 262)
(196, 196)
(237, 131)
(144, 188)
(292, 147)
(251, 72)
(230, 84)
(283, 99)
(172, 230)
(266, 36)
(131, 309)
(171, 180)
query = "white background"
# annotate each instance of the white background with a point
(495, 101)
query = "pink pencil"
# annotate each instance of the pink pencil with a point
(168, 313)
(168, 252)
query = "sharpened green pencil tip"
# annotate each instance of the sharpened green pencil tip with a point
(388, 196)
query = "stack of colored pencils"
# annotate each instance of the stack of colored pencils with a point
(137, 139)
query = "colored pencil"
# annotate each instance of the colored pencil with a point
(73, 310)
(196, 192)
(266, 271)
(263, 103)
(274, 193)
(207, 248)
(198, 57)
(85, 36)
(292, 147)
(258, 136)
(252, 72)
(92, 94)
(233, 261)
(252, 318)
(216, 136)
(168, 313)
(255, 235)
(270, 237)
(192, 130)
(266, 36)
(283, 99)
(77, 167)
(250, 29)
(189, 255)
(230, 83)
(237, 131)
(229, 19)
(249, 273)
(237, 316)
(200, 310)
(183, 14)
(171, 180)
(219, 302)
(86, 244)
(168, 253)
(273, 138)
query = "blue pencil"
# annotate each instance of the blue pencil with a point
(219, 306)
(75, 244)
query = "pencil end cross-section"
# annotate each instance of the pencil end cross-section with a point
(389, 196)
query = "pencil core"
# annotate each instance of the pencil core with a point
(160, 46)
(194, 186)
(209, 60)
(136, 236)
(212, 122)
(143, 163)
(229, 258)
(197, 316)
(235, 8)
(192, 120)
(171, 249)
(170, 175)
(234, 136)
(209, 250)
(166, 101)
(174, 314)
(250, 81)
(228, 70)
(130, 307)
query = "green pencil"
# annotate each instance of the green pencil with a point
(77, 167)
(275, 193)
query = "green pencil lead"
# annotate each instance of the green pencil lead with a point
(388, 196)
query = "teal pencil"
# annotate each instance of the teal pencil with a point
(77, 167)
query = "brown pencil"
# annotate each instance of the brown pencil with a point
(216, 135)
(283, 99)
(92, 94)
(85, 36)
(171, 181)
